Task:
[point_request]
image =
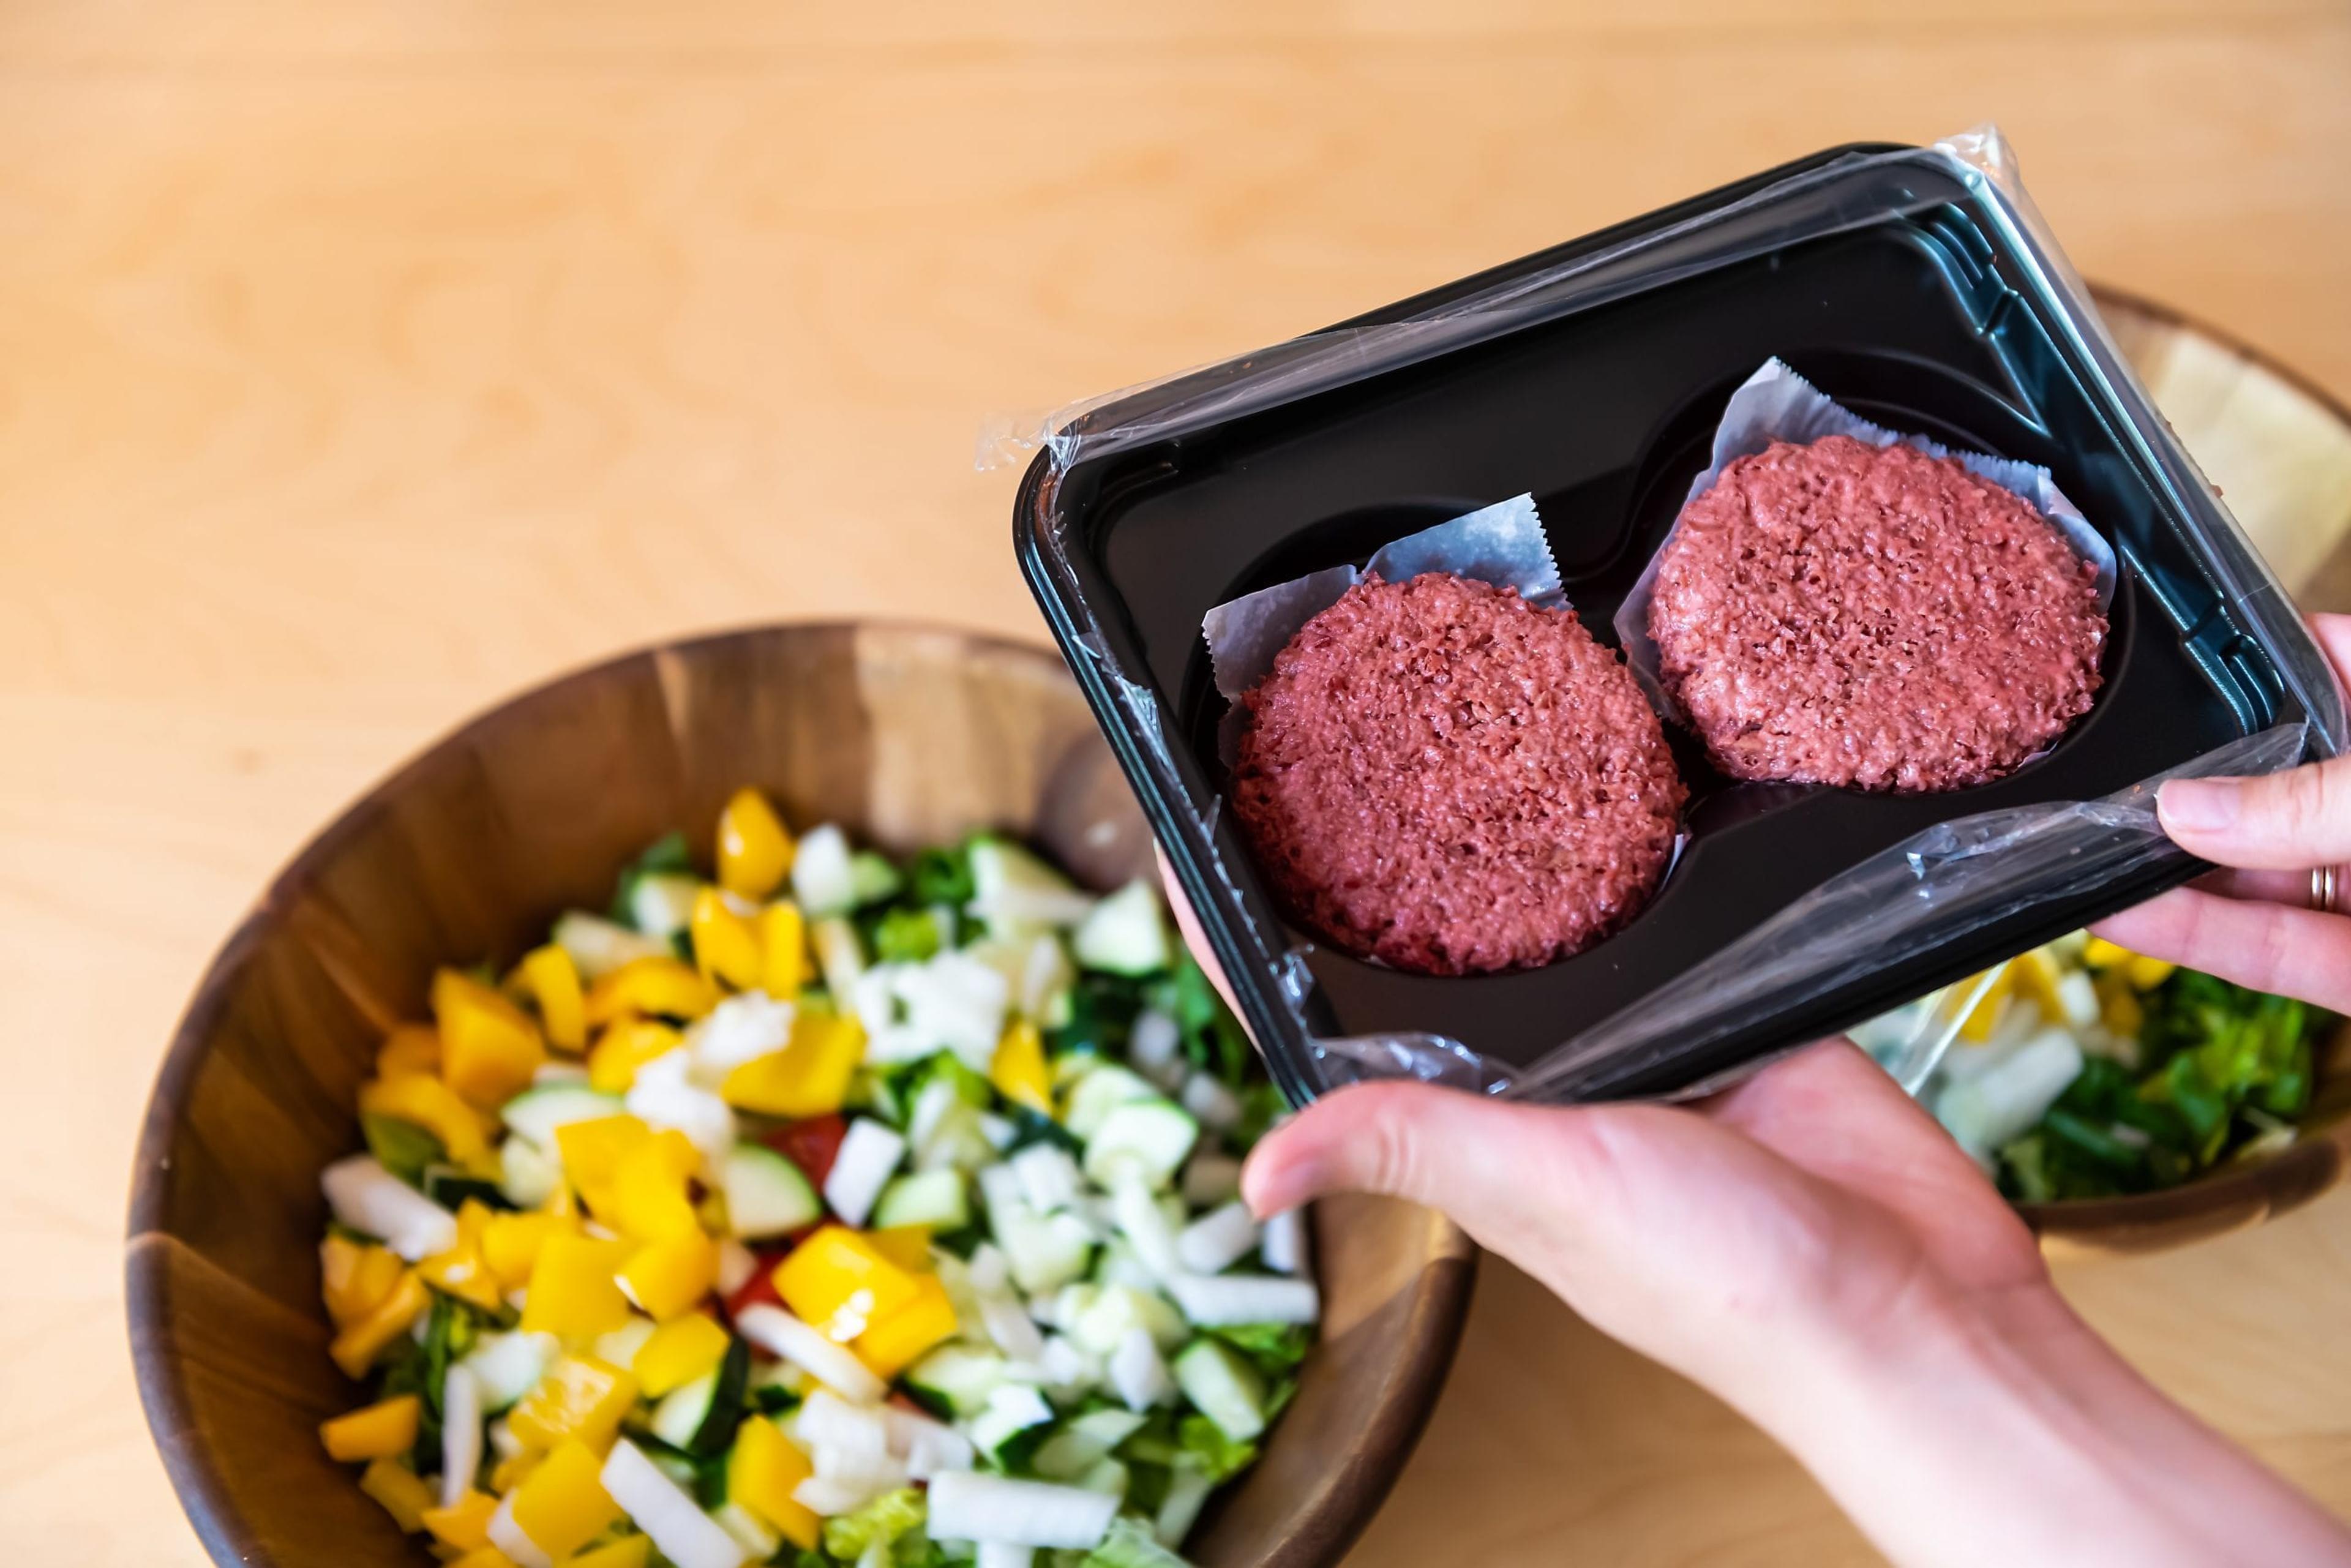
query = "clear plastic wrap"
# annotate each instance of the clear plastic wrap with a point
(1957, 879)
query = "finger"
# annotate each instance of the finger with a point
(2295, 952)
(2281, 821)
(2334, 634)
(2287, 887)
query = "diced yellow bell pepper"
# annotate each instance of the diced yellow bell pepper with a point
(438, 1109)
(626, 1047)
(725, 944)
(355, 1348)
(2148, 973)
(646, 1199)
(680, 1351)
(376, 1431)
(839, 1281)
(783, 950)
(463, 1271)
(489, 1047)
(755, 848)
(647, 988)
(354, 1277)
(483, 1557)
(564, 1506)
(1018, 1070)
(513, 1470)
(591, 1151)
(409, 1047)
(2100, 954)
(907, 1246)
(761, 1474)
(2034, 977)
(581, 1397)
(628, 1552)
(553, 982)
(464, 1524)
(574, 1293)
(809, 1077)
(510, 1244)
(2122, 1012)
(1976, 1027)
(402, 1492)
(901, 1338)
(671, 1278)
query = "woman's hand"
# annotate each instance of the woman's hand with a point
(1812, 1249)
(2253, 924)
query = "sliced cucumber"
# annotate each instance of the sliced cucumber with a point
(661, 903)
(536, 1114)
(700, 1418)
(871, 878)
(1116, 1309)
(1101, 1091)
(598, 946)
(1012, 1408)
(527, 1173)
(766, 1194)
(1125, 933)
(1045, 1251)
(450, 1188)
(1086, 1442)
(958, 1378)
(1227, 1389)
(682, 1409)
(1016, 895)
(823, 879)
(1140, 1138)
(935, 1198)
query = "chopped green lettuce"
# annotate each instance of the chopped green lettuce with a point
(1131, 1544)
(887, 1518)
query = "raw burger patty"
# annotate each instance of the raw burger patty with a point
(1442, 777)
(1843, 613)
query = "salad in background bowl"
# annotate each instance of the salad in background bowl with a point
(827, 1210)
(2080, 1072)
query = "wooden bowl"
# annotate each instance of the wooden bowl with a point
(907, 735)
(2278, 449)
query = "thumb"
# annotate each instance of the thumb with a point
(2283, 821)
(1498, 1169)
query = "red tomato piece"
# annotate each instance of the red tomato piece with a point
(812, 1145)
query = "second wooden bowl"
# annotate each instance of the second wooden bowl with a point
(906, 736)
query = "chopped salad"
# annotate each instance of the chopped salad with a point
(2082, 1069)
(827, 1210)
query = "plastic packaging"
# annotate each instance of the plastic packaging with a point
(1145, 508)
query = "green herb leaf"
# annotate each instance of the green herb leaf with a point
(403, 1148)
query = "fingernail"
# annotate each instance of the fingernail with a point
(2200, 805)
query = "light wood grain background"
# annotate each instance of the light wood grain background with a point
(361, 362)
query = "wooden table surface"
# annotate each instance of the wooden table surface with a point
(360, 362)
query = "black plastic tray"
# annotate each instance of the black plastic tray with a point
(1919, 312)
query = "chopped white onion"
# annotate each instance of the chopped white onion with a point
(1228, 1299)
(1146, 1227)
(1010, 1326)
(736, 1264)
(663, 1098)
(1137, 1374)
(1218, 1240)
(461, 1433)
(868, 1154)
(510, 1538)
(681, 1532)
(741, 1028)
(372, 1200)
(1004, 1554)
(1049, 1178)
(778, 1332)
(1216, 1105)
(1283, 1245)
(966, 1505)
(819, 1495)
(1151, 1047)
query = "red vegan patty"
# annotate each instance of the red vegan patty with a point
(1873, 617)
(1442, 777)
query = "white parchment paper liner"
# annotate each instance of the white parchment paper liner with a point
(1502, 544)
(1775, 404)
